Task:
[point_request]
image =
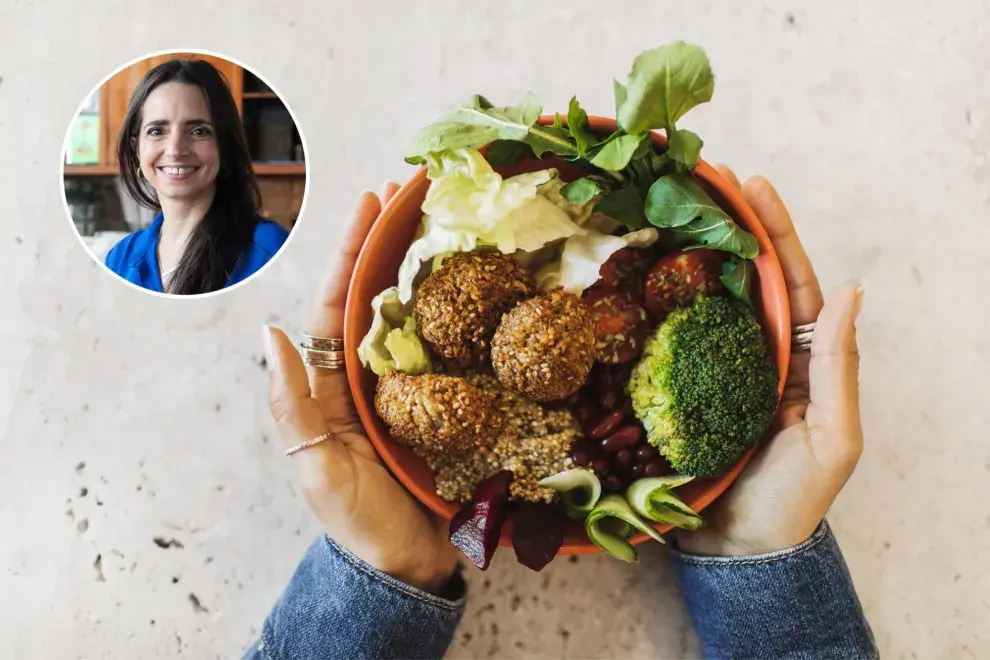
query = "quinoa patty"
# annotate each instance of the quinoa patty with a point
(437, 413)
(534, 444)
(544, 347)
(459, 306)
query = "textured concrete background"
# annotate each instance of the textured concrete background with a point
(125, 418)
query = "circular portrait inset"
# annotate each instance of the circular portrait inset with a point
(184, 173)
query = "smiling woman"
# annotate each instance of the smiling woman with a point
(181, 150)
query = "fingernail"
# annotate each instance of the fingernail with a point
(266, 341)
(859, 299)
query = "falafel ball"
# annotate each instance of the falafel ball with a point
(544, 347)
(441, 414)
(459, 306)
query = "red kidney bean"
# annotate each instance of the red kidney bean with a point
(605, 382)
(624, 458)
(613, 483)
(655, 468)
(625, 437)
(583, 413)
(600, 465)
(608, 400)
(627, 408)
(645, 452)
(580, 458)
(583, 444)
(603, 426)
(638, 470)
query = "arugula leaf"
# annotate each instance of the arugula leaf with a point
(508, 152)
(641, 173)
(577, 124)
(677, 199)
(660, 164)
(474, 124)
(554, 139)
(664, 83)
(684, 147)
(715, 233)
(582, 190)
(677, 203)
(624, 205)
(737, 277)
(617, 150)
(477, 123)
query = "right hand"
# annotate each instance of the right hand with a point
(359, 503)
(787, 489)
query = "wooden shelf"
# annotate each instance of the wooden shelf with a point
(280, 169)
(91, 170)
(260, 95)
(261, 169)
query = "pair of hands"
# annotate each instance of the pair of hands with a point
(776, 503)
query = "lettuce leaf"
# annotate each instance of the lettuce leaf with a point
(469, 205)
(392, 343)
(580, 262)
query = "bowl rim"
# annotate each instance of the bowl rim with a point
(769, 274)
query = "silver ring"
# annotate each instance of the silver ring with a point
(322, 343)
(323, 359)
(309, 443)
(802, 336)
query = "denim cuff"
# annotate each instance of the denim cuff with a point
(794, 603)
(338, 606)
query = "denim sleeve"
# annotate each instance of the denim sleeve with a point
(338, 606)
(793, 603)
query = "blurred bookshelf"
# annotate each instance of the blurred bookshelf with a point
(91, 171)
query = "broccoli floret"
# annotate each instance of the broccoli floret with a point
(705, 388)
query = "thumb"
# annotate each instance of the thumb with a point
(833, 414)
(321, 467)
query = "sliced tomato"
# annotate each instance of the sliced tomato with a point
(676, 278)
(621, 326)
(624, 271)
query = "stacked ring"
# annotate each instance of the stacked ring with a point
(323, 353)
(322, 343)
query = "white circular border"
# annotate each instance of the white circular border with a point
(65, 201)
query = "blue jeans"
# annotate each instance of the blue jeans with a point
(795, 603)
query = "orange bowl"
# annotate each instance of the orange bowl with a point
(377, 269)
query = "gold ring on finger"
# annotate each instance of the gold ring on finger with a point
(309, 443)
(322, 343)
(323, 359)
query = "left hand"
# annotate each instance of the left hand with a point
(359, 503)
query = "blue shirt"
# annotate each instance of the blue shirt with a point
(797, 603)
(135, 257)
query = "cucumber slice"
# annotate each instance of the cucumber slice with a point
(579, 491)
(652, 499)
(601, 528)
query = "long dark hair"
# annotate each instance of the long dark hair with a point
(221, 237)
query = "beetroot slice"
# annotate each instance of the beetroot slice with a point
(475, 529)
(538, 533)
